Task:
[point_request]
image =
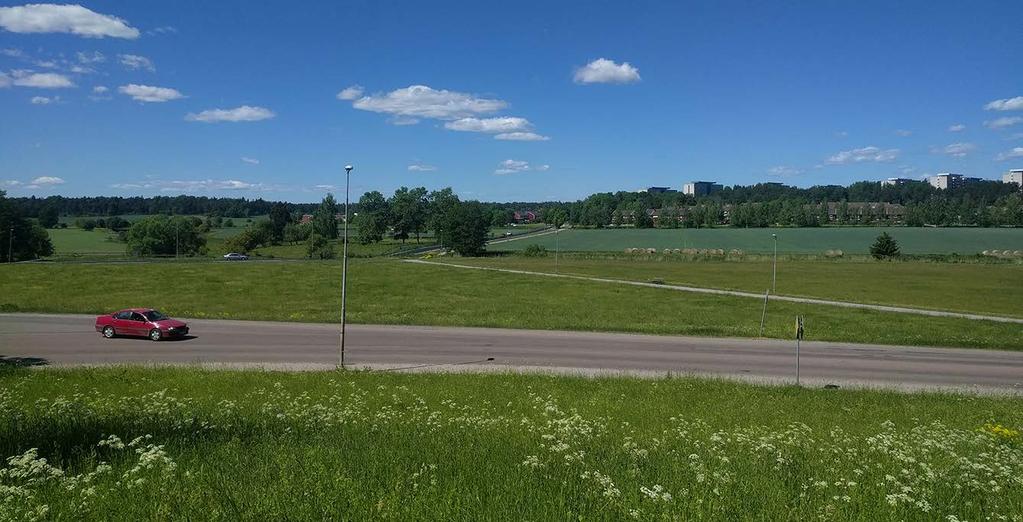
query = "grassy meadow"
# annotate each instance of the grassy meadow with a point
(143, 444)
(388, 291)
(851, 240)
(98, 241)
(983, 288)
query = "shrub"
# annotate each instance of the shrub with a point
(884, 247)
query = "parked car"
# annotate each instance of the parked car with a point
(142, 322)
(235, 256)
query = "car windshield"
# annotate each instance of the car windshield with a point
(153, 315)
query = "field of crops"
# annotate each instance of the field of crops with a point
(138, 444)
(851, 240)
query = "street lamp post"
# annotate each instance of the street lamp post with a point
(774, 269)
(557, 246)
(10, 246)
(344, 267)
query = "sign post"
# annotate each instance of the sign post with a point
(799, 337)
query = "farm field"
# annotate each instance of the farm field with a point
(388, 291)
(68, 241)
(984, 288)
(851, 240)
(139, 444)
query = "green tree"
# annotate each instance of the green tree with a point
(408, 212)
(371, 229)
(325, 218)
(439, 204)
(165, 236)
(29, 241)
(643, 219)
(318, 247)
(279, 218)
(48, 217)
(884, 247)
(465, 228)
(295, 233)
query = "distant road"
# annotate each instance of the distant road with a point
(70, 340)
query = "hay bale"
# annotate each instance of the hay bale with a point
(651, 251)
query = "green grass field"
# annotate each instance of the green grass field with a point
(993, 289)
(387, 291)
(177, 444)
(851, 240)
(99, 241)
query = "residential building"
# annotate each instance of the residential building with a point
(1013, 176)
(660, 190)
(700, 188)
(946, 180)
(892, 182)
(524, 216)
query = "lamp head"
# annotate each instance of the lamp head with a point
(348, 169)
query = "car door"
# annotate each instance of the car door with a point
(122, 323)
(139, 324)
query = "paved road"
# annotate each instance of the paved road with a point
(70, 339)
(734, 293)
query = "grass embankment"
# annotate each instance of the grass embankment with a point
(994, 289)
(391, 292)
(851, 240)
(138, 444)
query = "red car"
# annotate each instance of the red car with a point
(143, 322)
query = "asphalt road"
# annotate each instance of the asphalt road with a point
(71, 340)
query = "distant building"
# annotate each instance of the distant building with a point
(660, 190)
(700, 188)
(306, 218)
(946, 180)
(1013, 176)
(524, 216)
(893, 182)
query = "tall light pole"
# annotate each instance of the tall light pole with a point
(344, 267)
(10, 246)
(557, 246)
(774, 270)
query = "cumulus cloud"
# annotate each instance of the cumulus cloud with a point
(1015, 152)
(91, 58)
(350, 93)
(420, 101)
(419, 167)
(1007, 104)
(149, 93)
(5, 80)
(250, 161)
(243, 113)
(959, 127)
(784, 171)
(136, 62)
(12, 53)
(11, 183)
(603, 70)
(956, 150)
(43, 100)
(100, 89)
(489, 125)
(1001, 123)
(510, 166)
(23, 78)
(73, 19)
(865, 154)
(44, 181)
(520, 136)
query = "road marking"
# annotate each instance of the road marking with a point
(736, 293)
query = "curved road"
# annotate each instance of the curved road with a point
(70, 340)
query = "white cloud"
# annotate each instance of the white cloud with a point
(74, 19)
(956, 150)
(491, 125)
(243, 113)
(1007, 104)
(12, 53)
(419, 167)
(44, 181)
(863, 155)
(136, 62)
(46, 64)
(520, 136)
(784, 171)
(402, 120)
(167, 29)
(11, 183)
(903, 132)
(43, 100)
(959, 127)
(100, 89)
(1001, 123)
(510, 166)
(842, 134)
(250, 161)
(90, 58)
(420, 101)
(325, 187)
(5, 81)
(24, 78)
(350, 93)
(1016, 152)
(191, 185)
(149, 93)
(603, 70)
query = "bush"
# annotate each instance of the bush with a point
(535, 251)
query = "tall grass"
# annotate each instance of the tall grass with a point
(131, 444)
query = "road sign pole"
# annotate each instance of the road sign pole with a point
(799, 337)
(764, 314)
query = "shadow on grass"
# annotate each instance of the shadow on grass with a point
(21, 362)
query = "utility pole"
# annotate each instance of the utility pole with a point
(10, 246)
(344, 269)
(799, 337)
(557, 246)
(774, 270)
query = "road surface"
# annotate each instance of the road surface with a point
(60, 340)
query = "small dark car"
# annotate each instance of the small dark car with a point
(141, 322)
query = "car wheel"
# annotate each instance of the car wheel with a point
(109, 333)
(155, 334)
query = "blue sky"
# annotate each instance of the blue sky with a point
(502, 101)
